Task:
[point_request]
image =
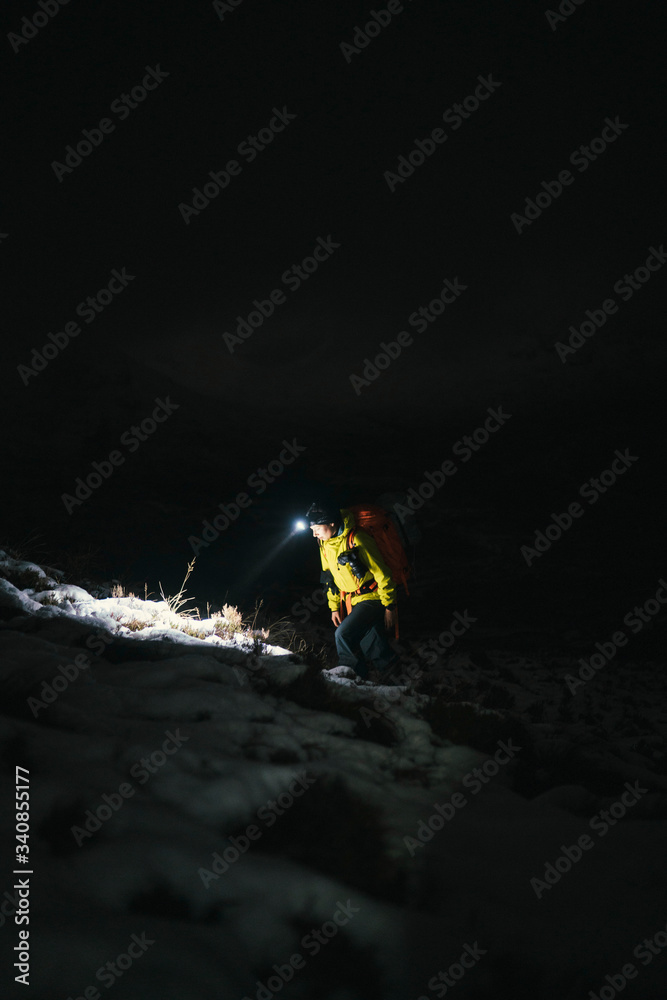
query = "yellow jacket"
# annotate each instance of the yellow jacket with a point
(343, 577)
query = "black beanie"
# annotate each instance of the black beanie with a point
(323, 513)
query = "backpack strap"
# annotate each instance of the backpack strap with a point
(345, 602)
(372, 586)
(366, 587)
(345, 596)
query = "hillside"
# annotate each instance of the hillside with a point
(215, 817)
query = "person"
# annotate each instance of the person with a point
(360, 573)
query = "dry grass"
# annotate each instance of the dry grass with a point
(23, 579)
(134, 624)
(282, 632)
(178, 601)
(191, 630)
(228, 622)
(55, 599)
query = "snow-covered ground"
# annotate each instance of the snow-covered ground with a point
(210, 817)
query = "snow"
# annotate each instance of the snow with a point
(315, 791)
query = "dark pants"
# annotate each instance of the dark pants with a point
(362, 637)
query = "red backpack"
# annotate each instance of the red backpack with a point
(377, 523)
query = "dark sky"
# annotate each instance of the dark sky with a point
(224, 72)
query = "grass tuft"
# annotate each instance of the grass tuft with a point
(178, 601)
(23, 579)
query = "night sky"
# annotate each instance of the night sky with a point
(580, 92)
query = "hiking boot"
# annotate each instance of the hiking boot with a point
(341, 672)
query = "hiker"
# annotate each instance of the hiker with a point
(360, 574)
